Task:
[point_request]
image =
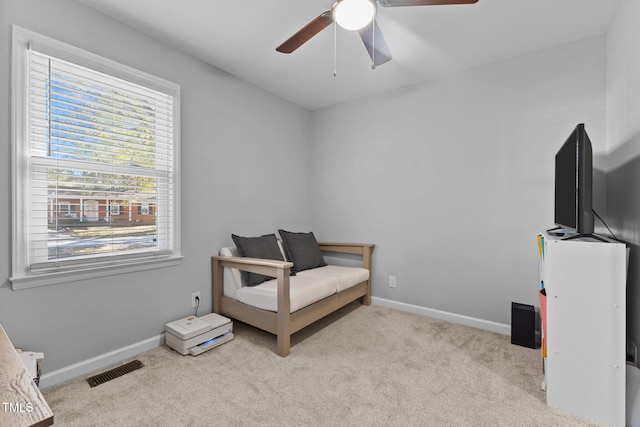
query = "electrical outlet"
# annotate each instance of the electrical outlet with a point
(392, 281)
(195, 297)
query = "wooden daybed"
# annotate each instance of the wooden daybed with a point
(282, 322)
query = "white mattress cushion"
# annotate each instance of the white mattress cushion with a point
(304, 290)
(346, 277)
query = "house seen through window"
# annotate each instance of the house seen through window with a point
(96, 163)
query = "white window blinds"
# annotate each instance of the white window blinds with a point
(98, 162)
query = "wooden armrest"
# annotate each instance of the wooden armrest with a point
(278, 269)
(268, 267)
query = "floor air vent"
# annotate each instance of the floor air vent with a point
(114, 373)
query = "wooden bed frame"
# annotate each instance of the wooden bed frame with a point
(283, 323)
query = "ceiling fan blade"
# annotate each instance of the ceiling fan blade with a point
(306, 33)
(375, 44)
(396, 3)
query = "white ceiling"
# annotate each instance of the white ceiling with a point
(240, 37)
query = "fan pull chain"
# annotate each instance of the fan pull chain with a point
(335, 48)
(373, 43)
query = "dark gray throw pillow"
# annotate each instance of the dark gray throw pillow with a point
(263, 247)
(302, 250)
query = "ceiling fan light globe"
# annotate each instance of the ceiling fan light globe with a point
(354, 14)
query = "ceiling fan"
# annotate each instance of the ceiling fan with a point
(358, 15)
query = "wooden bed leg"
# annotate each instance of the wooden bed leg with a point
(284, 345)
(366, 299)
(366, 263)
(217, 284)
(284, 313)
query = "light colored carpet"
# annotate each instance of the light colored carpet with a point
(361, 366)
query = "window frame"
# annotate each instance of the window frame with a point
(21, 277)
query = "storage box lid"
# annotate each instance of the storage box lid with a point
(215, 320)
(188, 327)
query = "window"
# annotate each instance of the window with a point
(114, 209)
(64, 207)
(95, 165)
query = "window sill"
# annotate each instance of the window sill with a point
(45, 279)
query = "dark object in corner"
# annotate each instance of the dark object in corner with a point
(523, 325)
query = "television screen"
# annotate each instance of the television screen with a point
(574, 183)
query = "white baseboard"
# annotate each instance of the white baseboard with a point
(486, 325)
(99, 362)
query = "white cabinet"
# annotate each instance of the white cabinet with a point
(585, 283)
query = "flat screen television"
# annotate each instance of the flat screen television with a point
(574, 183)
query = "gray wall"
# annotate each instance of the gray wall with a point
(453, 179)
(623, 134)
(239, 144)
